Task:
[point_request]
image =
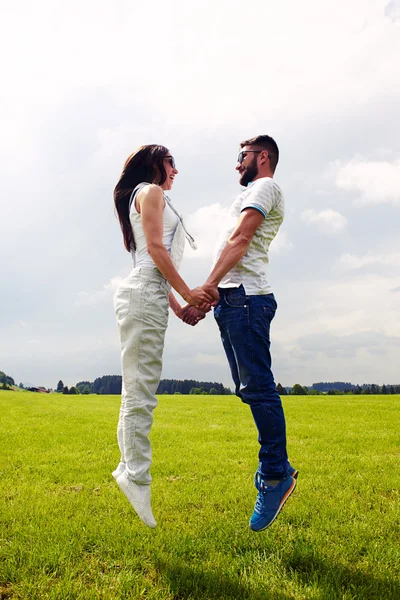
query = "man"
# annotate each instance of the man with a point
(244, 312)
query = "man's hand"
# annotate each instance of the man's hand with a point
(192, 315)
(212, 290)
(200, 298)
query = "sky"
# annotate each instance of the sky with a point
(86, 83)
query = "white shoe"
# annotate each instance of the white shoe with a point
(118, 471)
(139, 496)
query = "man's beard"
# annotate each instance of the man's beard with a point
(250, 173)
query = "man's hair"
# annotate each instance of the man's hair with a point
(265, 142)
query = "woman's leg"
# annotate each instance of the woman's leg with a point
(142, 327)
(142, 332)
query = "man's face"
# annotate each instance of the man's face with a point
(248, 168)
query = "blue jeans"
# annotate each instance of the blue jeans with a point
(244, 323)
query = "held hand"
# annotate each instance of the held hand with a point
(199, 297)
(213, 291)
(192, 315)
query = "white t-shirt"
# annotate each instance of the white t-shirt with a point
(266, 196)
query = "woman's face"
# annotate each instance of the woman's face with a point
(170, 170)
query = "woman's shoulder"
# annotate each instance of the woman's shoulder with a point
(150, 189)
(152, 195)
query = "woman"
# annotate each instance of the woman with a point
(154, 234)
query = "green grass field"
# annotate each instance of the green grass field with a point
(68, 532)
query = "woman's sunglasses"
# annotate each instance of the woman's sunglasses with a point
(171, 160)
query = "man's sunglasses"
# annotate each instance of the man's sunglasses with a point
(241, 155)
(171, 160)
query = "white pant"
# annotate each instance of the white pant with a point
(141, 307)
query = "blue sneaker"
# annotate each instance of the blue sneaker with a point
(270, 500)
(292, 471)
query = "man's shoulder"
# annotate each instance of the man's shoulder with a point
(266, 183)
(264, 192)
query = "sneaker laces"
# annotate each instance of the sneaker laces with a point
(262, 489)
(260, 483)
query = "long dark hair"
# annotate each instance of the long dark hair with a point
(146, 164)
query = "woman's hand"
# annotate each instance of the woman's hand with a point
(192, 315)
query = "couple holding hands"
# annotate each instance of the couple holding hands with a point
(237, 289)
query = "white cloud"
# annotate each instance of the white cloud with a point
(205, 225)
(95, 296)
(327, 221)
(351, 261)
(350, 306)
(280, 243)
(375, 181)
(392, 10)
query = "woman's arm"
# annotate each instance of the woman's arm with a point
(151, 205)
(174, 305)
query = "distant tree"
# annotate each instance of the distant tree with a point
(384, 389)
(65, 390)
(21, 385)
(213, 392)
(5, 386)
(325, 386)
(73, 390)
(86, 390)
(60, 386)
(281, 390)
(81, 385)
(299, 390)
(6, 379)
(170, 386)
(177, 393)
(196, 390)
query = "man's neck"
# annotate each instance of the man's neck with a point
(264, 173)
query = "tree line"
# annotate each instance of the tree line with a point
(338, 388)
(112, 384)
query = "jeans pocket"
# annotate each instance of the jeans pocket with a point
(153, 289)
(122, 300)
(235, 297)
(269, 312)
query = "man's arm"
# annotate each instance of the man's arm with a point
(236, 247)
(151, 205)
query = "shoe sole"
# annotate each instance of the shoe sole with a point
(286, 496)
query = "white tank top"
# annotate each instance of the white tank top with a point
(141, 257)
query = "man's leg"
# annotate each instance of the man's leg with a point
(244, 322)
(230, 355)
